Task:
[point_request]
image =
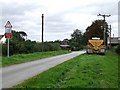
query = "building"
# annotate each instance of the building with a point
(113, 41)
(2, 39)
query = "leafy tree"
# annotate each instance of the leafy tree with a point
(76, 41)
(22, 34)
(65, 42)
(97, 30)
(17, 36)
(57, 41)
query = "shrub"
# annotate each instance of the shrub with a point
(118, 49)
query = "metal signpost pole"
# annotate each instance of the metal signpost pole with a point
(8, 48)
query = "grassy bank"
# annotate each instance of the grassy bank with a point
(21, 58)
(84, 71)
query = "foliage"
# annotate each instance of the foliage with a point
(118, 49)
(84, 71)
(23, 34)
(21, 58)
(78, 40)
(19, 45)
(97, 29)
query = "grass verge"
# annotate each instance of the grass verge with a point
(84, 71)
(21, 58)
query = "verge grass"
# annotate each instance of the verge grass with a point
(21, 58)
(84, 71)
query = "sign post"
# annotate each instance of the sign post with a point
(8, 34)
(8, 48)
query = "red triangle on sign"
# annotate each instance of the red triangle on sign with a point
(8, 25)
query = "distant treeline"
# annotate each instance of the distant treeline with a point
(19, 45)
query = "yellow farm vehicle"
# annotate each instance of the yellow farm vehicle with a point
(95, 45)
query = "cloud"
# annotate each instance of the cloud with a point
(16, 8)
(57, 24)
(61, 16)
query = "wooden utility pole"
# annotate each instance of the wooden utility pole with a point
(104, 16)
(110, 36)
(42, 26)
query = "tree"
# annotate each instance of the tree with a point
(97, 29)
(65, 42)
(22, 34)
(76, 41)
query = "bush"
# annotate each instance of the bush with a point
(29, 47)
(4, 50)
(18, 45)
(118, 49)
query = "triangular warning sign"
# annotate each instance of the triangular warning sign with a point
(8, 25)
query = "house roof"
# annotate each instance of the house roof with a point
(114, 40)
(1, 36)
(64, 45)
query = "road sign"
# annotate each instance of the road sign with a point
(8, 35)
(8, 25)
(8, 28)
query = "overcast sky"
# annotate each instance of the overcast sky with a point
(61, 16)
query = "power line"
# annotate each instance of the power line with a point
(104, 16)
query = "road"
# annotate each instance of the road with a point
(16, 74)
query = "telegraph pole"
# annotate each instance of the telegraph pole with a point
(104, 16)
(42, 26)
(42, 32)
(110, 36)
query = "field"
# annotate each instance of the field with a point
(84, 71)
(21, 58)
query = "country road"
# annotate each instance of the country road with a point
(16, 74)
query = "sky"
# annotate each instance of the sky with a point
(61, 17)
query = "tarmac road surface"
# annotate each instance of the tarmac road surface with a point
(15, 74)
